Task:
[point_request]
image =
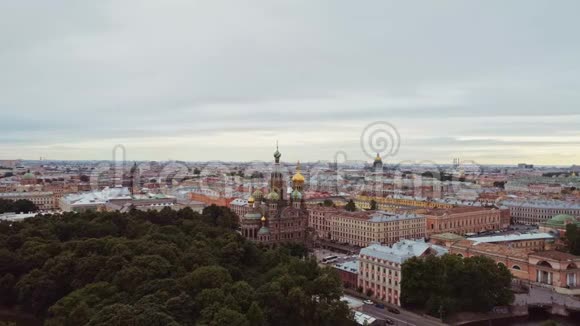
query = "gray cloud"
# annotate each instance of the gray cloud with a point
(195, 80)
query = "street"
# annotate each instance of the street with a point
(404, 318)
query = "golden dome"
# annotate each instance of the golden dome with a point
(251, 199)
(378, 158)
(298, 177)
(263, 219)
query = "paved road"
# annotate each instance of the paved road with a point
(538, 295)
(405, 318)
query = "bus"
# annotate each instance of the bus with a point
(329, 259)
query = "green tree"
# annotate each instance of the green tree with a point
(573, 238)
(373, 205)
(160, 268)
(206, 277)
(452, 284)
(255, 315)
(350, 206)
(328, 203)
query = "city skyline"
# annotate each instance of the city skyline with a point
(494, 83)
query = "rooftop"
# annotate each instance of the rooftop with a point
(513, 237)
(21, 194)
(556, 255)
(540, 203)
(348, 266)
(402, 250)
(16, 217)
(455, 210)
(97, 197)
(447, 236)
(382, 216)
(492, 248)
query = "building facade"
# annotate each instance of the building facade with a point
(462, 220)
(44, 200)
(363, 228)
(272, 219)
(536, 212)
(380, 267)
(552, 269)
(389, 203)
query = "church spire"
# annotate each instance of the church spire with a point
(277, 154)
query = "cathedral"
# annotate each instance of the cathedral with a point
(275, 217)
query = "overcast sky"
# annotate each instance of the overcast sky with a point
(489, 81)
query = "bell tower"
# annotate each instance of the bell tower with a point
(276, 178)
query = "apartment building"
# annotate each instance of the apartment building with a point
(44, 200)
(380, 267)
(462, 220)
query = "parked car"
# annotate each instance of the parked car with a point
(368, 302)
(394, 310)
(380, 305)
(389, 321)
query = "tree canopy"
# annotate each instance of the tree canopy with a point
(350, 206)
(160, 268)
(573, 238)
(373, 205)
(448, 284)
(17, 206)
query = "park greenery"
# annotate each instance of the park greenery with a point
(160, 268)
(573, 238)
(449, 284)
(17, 206)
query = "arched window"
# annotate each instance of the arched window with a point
(501, 264)
(460, 255)
(544, 263)
(516, 267)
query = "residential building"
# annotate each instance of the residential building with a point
(44, 200)
(363, 228)
(388, 203)
(111, 199)
(537, 212)
(348, 272)
(380, 267)
(462, 220)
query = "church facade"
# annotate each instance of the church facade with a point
(276, 217)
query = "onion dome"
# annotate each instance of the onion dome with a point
(296, 195)
(251, 200)
(273, 196)
(263, 219)
(298, 177)
(258, 195)
(28, 176)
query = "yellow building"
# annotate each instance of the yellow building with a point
(389, 203)
(363, 228)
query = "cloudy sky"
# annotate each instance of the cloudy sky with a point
(489, 81)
